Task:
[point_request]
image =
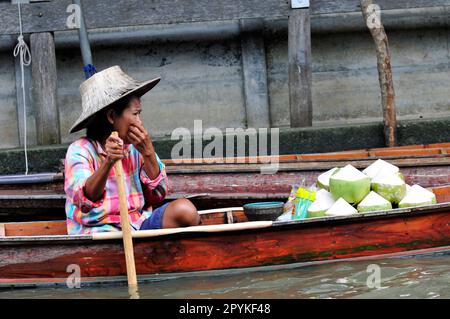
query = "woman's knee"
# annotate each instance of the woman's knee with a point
(185, 212)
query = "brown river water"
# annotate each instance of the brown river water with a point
(424, 276)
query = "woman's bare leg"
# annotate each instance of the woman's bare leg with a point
(180, 213)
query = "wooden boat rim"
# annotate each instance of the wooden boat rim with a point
(296, 166)
(224, 228)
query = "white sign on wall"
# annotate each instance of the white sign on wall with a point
(295, 4)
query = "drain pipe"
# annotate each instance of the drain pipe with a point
(86, 54)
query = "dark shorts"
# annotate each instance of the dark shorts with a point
(155, 220)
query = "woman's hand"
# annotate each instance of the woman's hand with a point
(114, 149)
(141, 140)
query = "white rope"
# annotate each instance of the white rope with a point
(23, 52)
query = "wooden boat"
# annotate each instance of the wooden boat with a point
(221, 184)
(40, 253)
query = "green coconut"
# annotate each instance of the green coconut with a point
(417, 196)
(324, 179)
(324, 200)
(373, 202)
(350, 184)
(380, 165)
(341, 208)
(390, 186)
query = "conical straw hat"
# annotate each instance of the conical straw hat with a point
(104, 88)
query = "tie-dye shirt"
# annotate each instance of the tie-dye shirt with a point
(83, 158)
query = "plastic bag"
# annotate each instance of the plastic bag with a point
(295, 198)
(288, 206)
(303, 199)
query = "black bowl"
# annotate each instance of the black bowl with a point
(263, 210)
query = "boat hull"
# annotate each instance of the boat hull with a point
(44, 260)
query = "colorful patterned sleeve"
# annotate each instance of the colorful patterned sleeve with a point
(154, 190)
(78, 168)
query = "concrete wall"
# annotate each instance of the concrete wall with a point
(345, 76)
(203, 80)
(200, 80)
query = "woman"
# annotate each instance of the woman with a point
(111, 102)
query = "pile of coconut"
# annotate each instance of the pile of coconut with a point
(381, 186)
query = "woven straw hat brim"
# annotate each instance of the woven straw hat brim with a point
(139, 91)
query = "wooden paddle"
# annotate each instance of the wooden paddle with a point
(126, 229)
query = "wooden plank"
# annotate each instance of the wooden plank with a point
(36, 228)
(44, 88)
(221, 218)
(52, 16)
(31, 122)
(408, 152)
(442, 193)
(300, 74)
(304, 166)
(254, 71)
(345, 155)
(2, 230)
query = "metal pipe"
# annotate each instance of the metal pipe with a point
(84, 42)
(28, 179)
(156, 33)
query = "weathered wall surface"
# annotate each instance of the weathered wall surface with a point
(9, 131)
(203, 80)
(345, 76)
(199, 81)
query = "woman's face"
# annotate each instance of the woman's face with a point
(130, 115)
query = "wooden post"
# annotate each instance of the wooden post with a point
(371, 15)
(44, 88)
(254, 69)
(299, 51)
(31, 121)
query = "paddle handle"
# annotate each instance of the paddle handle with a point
(125, 223)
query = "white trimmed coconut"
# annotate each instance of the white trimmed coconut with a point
(324, 200)
(341, 208)
(390, 186)
(408, 188)
(373, 202)
(380, 165)
(323, 181)
(350, 184)
(417, 196)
